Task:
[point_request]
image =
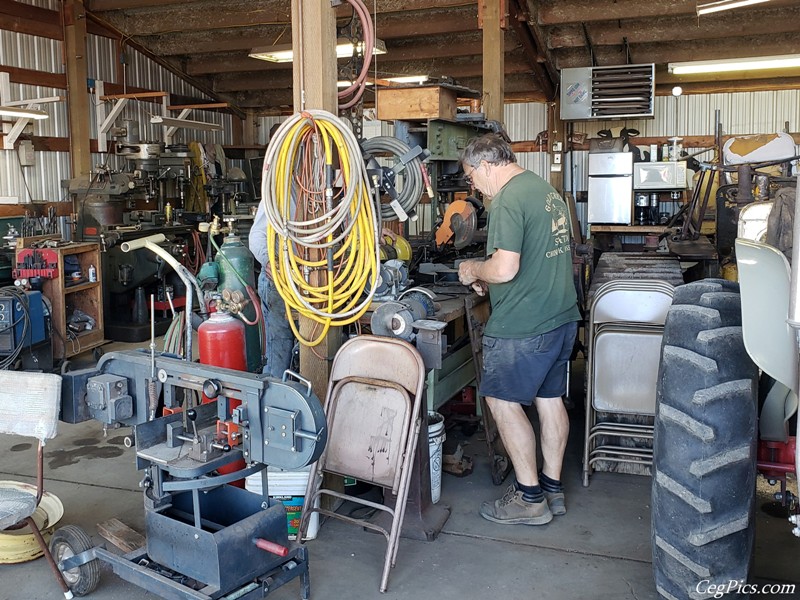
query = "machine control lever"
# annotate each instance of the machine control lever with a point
(271, 547)
(314, 437)
(223, 447)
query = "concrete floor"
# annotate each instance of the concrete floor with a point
(599, 550)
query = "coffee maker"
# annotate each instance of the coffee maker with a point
(642, 208)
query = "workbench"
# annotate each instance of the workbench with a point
(457, 370)
(458, 367)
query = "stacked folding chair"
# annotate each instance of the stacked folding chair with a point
(373, 407)
(626, 324)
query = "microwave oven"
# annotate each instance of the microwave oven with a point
(659, 175)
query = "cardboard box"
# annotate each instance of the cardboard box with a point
(417, 103)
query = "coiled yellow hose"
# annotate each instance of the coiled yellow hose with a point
(320, 219)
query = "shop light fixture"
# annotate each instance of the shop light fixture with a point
(404, 79)
(785, 61)
(172, 122)
(408, 79)
(712, 7)
(283, 53)
(346, 84)
(23, 113)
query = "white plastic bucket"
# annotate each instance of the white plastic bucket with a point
(436, 437)
(290, 488)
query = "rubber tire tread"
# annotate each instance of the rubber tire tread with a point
(704, 463)
(78, 541)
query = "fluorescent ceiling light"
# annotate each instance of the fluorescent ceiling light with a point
(282, 53)
(401, 80)
(712, 7)
(786, 61)
(171, 122)
(23, 113)
(347, 84)
(408, 79)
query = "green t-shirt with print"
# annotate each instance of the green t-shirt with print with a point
(529, 217)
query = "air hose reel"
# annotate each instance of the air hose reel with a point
(407, 163)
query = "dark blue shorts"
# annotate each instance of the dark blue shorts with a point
(521, 369)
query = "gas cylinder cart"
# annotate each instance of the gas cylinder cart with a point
(206, 538)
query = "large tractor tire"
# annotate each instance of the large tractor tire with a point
(704, 450)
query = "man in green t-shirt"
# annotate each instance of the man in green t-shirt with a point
(529, 338)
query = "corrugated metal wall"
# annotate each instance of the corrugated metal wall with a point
(42, 182)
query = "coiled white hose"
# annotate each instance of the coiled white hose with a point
(320, 218)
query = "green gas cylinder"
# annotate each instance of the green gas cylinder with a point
(234, 259)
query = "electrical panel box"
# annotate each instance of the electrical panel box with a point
(12, 322)
(27, 157)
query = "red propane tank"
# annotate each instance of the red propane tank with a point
(222, 344)
(221, 339)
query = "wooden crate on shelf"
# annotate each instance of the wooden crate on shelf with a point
(416, 103)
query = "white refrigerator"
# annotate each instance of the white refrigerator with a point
(610, 188)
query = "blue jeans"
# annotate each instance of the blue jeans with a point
(280, 339)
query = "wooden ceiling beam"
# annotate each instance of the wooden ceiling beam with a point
(44, 29)
(389, 27)
(227, 63)
(197, 43)
(555, 12)
(33, 20)
(105, 5)
(444, 47)
(39, 78)
(671, 29)
(384, 6)
(533, 47)
(193, 16)
(228, 83)
(741, 47)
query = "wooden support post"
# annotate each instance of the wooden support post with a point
(493, 17)
(250, 129)
(77, 76)
(314, 74)
(314, 46)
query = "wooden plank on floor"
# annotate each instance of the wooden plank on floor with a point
(122, 536)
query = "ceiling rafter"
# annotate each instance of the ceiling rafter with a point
(669, 29)
(441, 38)
(534, 49)
(746, 46)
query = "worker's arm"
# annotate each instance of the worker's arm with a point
(500, 267)
(257, 239)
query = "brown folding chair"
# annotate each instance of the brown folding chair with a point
(29, 406)
(373, 408)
